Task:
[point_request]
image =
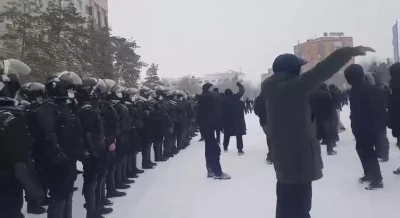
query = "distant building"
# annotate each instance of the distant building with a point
(395, 41)
(214, 78)
(315, 50)
(267, 75)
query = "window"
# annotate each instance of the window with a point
(338, 44)
(89, 10)
(99, 18)
(79, 2)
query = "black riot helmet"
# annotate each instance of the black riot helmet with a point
(63, 85)
(10, 69)
(91, 87)
(31, 92)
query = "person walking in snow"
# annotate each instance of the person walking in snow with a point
(367, 121)
(296, 152)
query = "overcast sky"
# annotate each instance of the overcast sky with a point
(206, 36)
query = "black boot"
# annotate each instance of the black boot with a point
(105, 210)
(106, 202)
(56, 209)
(115, 194)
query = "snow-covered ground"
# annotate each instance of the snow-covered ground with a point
(179, 188)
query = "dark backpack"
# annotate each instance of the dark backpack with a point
(16, 140)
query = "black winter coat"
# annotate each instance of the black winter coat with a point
(208, 111)
(394, 111)
(233, 121)
(367, 112)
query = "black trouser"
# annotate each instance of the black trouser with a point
(131, 167)
(11, 195)
(92, 174)
(110, 180)
(369, 159)
(120, 171)
(158, 148)
(293, 200)
(146, 153)
(167, 144)
(60, 179)
(239, 142)
(212, 152)
(101, 178)
(382, 146)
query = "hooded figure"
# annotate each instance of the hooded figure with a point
(296, 152)
(366, 112)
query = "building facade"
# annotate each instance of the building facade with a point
(315, 50)
(97, 10)
(395, 41)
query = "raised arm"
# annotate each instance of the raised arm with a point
(325, 69)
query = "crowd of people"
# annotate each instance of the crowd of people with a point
(46, 128)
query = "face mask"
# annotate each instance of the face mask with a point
(5, 78)
(160, 98)
(71, 93)
(118, 94)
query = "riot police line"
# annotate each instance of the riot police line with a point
(46, 128)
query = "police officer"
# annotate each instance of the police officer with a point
(110, 122)
(147, 132)
(30, 96)
(59, 133)
(114, 95)
(136, 123)
(93, 140)
(16, 144)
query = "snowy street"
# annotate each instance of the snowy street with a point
(179, 188)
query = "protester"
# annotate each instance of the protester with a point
(367, 121)
(295, 150)
(323, 107)
(208, 115)
(233, 120)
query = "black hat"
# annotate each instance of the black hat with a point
(207, 86)
(288, 63)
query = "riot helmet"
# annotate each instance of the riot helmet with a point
(10, 69)
(92, 87)
(63, 85)
(131, 94)
(31, 92)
